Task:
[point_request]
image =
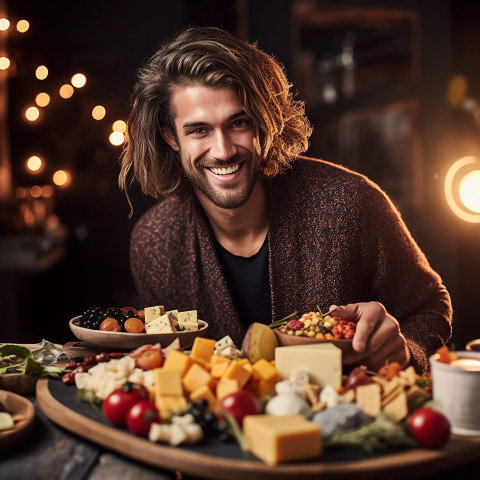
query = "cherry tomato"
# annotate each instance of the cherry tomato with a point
(429, 427)
(116, 405)
(140, 417)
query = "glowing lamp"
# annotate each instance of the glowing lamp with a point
(462, 188)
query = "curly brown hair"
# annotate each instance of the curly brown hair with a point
(211, 57)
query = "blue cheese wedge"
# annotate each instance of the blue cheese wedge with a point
(163, 324)
(188, 320)
(173, 314)
(224, 343)
(151, 313)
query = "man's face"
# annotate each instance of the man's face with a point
(214, 137)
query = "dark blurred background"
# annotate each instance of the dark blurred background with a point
(391, 89)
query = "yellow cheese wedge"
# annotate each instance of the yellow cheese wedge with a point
(196, 377)
(177, 360)
(167, 382)
(283, 438)
(322, 362)
(203, 348)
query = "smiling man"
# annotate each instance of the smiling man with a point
(245, 229)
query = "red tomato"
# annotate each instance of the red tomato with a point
(429, 427)
(116, 405)
(240, 404)
(140, 417)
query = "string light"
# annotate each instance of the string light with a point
(119, 126)
(99, 112)
(41, 72)
(66, 91)
(34, 164)
(79, 80)
(4, 24)
(61, 178)
(42, 99)
(4, 63)
(32, 114)
(116, 138)
(23, 26)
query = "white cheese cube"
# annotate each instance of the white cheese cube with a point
(151, 313)
(224, 343)
(322, 362)
(162, 324)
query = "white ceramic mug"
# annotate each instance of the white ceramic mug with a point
(456, 393)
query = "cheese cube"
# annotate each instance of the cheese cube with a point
(177, 360)
(261, 387)
(203, 348)
(196, 377)
(162, 324)
(170, 404)
(206, 393)
(167, 382)
(322, 361)
(238, 371)
(263, 369)
(188, 320)
(283, 438)
(151, 313)
(226, 386)
(224, 343)
(218, 369)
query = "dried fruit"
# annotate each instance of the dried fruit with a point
(110, 325)
(134, 325)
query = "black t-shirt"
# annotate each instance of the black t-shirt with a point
(248, 281)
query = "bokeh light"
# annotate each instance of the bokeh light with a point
(469, 191)
(116, 138)
(79, 80)
(119, 126)
(61, 178)
(42, 99)
(99, 112)
(66, 91)
(4, 24)
(41, 72)
(23, 26)
(36, 191)
(34, 164)
(4, 63)
(32, 114)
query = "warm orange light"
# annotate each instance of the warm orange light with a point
(4, 24)
(20, 193)
(23, 26)
(32, 114)
(42, 99)
(41, 72)
(36, 191)
(99, 112)
(47, 191)
(66, 91)
(4, 63)
(79, 80)
(116, 138)
(119, 126)
(61, 178)
(462, 189)
(34, 164)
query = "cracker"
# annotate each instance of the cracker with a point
(369, 398)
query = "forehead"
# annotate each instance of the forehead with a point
(198, 103)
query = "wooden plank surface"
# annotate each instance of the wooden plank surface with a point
(215, 464)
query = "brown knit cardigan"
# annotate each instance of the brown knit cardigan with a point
(334, 238)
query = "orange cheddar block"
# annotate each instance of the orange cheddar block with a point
(203, 348)
(177, 360)
(263, 370)
(168, 405)
(206, 393)
(239, 371)
(196, 377)
(218, 359)
(283, 438)
(261, 387)
(167, 382)
(218, 369)
(226, 386)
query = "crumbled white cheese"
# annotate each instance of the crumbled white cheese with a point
(287, 403)
(330, 396)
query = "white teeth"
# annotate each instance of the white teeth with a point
(225, 171)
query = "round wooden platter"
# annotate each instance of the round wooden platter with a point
(214, 460)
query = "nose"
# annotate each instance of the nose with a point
(222, 148)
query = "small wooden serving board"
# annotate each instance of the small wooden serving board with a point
(214, 460)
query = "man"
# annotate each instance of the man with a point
(247, 230)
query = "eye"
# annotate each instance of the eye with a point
(197, 131)
(241, 122)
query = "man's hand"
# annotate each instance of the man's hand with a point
(377, 338)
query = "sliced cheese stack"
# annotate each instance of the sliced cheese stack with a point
(276, 439)
(322, 362)
(202, 374)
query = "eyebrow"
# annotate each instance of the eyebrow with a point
(200, 124)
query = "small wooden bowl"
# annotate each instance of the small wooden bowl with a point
(284, 340)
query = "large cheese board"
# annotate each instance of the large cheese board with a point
(216, 460)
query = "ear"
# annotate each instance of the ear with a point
(170, 138)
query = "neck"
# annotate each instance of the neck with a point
(241, 230)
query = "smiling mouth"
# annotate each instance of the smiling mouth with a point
(225, 170)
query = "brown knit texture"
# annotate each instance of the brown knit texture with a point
(334, 238)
